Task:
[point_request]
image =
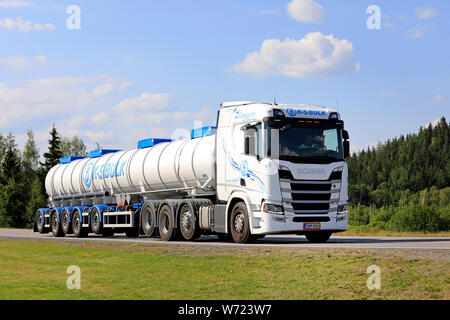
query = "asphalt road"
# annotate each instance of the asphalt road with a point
(278, 241)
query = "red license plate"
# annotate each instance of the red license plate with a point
(311, 226)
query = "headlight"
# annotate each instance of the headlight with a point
(342, 208)
(273, 208)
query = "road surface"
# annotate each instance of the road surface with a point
(278, 241)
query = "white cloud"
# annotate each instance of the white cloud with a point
(433, 123)
(125, 84)
(270, 12)
(14, 4)
(20, 63)
(48, 97)
(307, 11)
(316, 55)
(145, 102)
(437, 98)
(101, 117)
(16, 63)
(40, 59)
(417, 32)
(425, 13)
(20, 25)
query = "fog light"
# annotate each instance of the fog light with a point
(342, 208)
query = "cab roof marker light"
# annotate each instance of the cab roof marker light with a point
(333, 115)
(278, 113)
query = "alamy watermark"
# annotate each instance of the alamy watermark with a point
(374, 280)
(74, 280)
(374, 20)
(73, 22)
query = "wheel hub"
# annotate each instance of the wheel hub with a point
(186, 220)
(239, 222)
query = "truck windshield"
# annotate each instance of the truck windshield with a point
(310, 144)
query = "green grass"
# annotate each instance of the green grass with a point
(365, 231)
(37, 270)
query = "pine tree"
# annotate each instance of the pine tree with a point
(30, 152)
(54, 153)
(37, 199)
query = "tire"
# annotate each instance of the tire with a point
(148, 219)
(188, 222)
(132, 232)
(56, 226)
(318, 236)
(239, 223)
(96, 224)
(66, 222)
(40, 224)
(78, 230)
(166, 223)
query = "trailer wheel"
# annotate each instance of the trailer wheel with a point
(78, 230)
(188, 223)
(239, 223)
(65, 222)
(56, 226)
(96, 224)
(166, 223)
(318, 236)
(40, 224)
(148, 219)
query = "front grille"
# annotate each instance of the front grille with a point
(310, 186)
(310, 197)
(311, 219)
(311, 206)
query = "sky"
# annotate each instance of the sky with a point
(115, 72)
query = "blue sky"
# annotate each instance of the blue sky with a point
(138, 69)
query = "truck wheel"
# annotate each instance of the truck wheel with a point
(56, 226)
(318, 236)
(65, 222)
(96, 224)
(239, 223)
(78, 230)
(148, 219)
(40, 224)
(188, 223)
(166, 223)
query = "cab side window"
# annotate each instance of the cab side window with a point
(252, 140)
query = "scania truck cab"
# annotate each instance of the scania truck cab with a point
(286, 162)
(264, 169)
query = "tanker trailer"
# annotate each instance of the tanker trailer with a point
(264, 169)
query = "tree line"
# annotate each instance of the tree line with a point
(403, 178)
(22, 174)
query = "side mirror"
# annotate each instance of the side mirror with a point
(247, 145)
(345, 135)
(346, 149)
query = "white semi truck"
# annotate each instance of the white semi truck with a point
(264, 169)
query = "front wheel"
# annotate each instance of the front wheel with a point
(239, 223)
(318, 236)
